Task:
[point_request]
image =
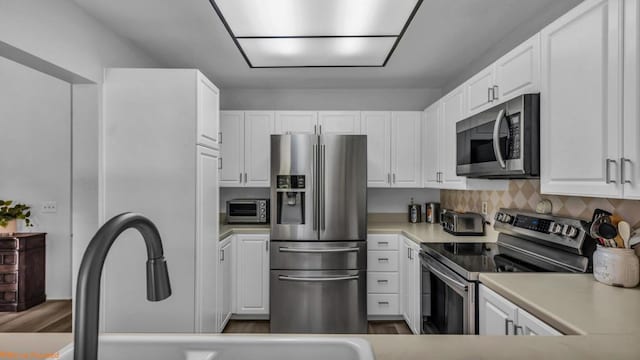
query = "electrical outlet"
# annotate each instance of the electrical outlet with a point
(485, 208)
(49, 207)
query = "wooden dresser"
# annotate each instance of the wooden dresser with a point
(22, 271)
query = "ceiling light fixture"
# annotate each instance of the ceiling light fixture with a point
(316, 33)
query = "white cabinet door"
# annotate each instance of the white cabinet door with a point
(258, 127)
(231, 148)
(496, 315)
(406, 306)
(530, 325)
(518, 72)
(296, 122)
(410, 273)
(479, 91)
(252, 274)
(405, 149)
(207, 236)
(208, 112)
(451, 111)
(580, 114)
(430, 147)
(225, 281)
(416, 296)
(377, 126)
(339, 122)
(631, 110)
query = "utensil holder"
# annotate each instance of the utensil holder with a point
(616, 266)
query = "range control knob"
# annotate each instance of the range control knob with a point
(507, 218)
(569, 231)
(555, 228)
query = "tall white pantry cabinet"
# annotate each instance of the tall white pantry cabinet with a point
(160, 159)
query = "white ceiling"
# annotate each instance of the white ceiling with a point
(443, 38)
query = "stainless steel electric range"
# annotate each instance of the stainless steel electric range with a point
(526, 243)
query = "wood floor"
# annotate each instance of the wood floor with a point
(262, 327)
(50, 316)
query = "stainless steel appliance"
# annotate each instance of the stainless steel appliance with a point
(432, 213)
(318, 234)
(501, 142)
(526, 243)
(463, 224)
(248, 211)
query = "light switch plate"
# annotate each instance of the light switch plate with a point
(49, 207)
(485, 208)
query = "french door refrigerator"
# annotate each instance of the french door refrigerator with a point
(318, 234)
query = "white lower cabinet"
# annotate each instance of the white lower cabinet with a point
(499, 316)
(383, 275)
(410, 294)
(252, 274)
(225, 282)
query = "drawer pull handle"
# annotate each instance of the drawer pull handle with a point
(383, 303)
(383, 259)
(383, 281)
(383, 243)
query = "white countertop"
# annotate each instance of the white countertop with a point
(571, 303)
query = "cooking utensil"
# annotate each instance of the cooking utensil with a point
(624, 231)
(602, 227)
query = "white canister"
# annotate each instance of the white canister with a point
(617, 267)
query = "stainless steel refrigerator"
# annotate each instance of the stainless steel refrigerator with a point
(318, 234)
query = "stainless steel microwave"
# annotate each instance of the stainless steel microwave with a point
(501, 142)
(248, 211)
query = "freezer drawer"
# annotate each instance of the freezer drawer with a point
(330, 302)
(314, 255)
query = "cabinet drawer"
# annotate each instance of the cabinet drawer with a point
(382, 261)
(382, 242)
(8, 296)
(8, 278)
(383, 282)
(383, 304)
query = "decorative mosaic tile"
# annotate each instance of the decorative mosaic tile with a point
(525, 195)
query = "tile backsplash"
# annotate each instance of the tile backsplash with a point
(525, 195)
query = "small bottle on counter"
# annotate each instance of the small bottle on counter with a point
(432, 213)
(415, 212)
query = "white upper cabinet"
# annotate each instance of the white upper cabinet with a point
(339, 122)
(518, 72)
(296, 122)
(631, 109)
(430, 147)
(245, 148)
(208, 112)
(377, 126)
(451, 111)
(258, 127)
(580, 130)
(479, 90)
(405, 149)
(231, 148)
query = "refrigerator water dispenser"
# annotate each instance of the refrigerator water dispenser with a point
(290, 199)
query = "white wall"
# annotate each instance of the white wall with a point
(35, 163)
(60, 35)
(379, 200)
(327, 99)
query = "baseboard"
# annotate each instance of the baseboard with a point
(385, 317)
(249, 316)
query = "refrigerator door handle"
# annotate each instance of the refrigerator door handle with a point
(315, 193)
(328, 250)
(322, 187)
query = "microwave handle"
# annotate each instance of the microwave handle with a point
(496, 140)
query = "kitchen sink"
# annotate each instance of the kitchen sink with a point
(223, 347)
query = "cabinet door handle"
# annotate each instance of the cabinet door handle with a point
(245, 178)
(495, 92)
(240, 178)
(389, 178)
(489, 95)
(515, 330)
(315, 129)
(266, 246)
(219, 137)
(623, 175)
(219, 163)
(506, 325)
(320, 128)
(222, 255)
(394, 178)
(608, 170)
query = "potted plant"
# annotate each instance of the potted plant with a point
(10, 213)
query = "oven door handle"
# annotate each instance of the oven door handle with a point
(496, 140)
(447, 279)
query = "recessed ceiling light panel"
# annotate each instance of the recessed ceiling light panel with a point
(316, 33)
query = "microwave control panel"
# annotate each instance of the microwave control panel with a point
(514, 136)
